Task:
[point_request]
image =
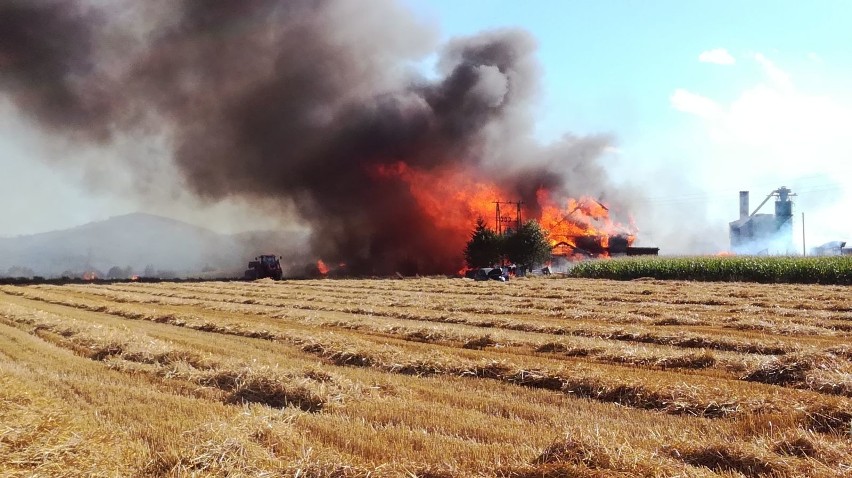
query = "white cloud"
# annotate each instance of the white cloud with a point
(692, 103)
(781, 118)
(777, 75)
(771, 134)
(772, 115)
(719, 56)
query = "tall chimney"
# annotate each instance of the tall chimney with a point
(743, 204)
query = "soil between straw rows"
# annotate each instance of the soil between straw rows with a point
(426, 377)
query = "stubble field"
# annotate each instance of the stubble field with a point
(426, 377)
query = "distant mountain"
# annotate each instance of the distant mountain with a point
(141, 241)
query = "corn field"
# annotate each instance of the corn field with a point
(537, 377)
(795, 270)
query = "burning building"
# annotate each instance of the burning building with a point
(318, 107)
(755, 233)
(583, 229)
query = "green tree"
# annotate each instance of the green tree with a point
(528, 246)
(483, 248)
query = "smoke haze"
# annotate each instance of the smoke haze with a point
(299, 103)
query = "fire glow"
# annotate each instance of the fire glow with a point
(581, 227)
(452, 200)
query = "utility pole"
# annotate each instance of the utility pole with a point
(500, 221)
(804, 251)
(497, 217)
(518, 214)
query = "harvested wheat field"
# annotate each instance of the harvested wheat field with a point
(426, 377)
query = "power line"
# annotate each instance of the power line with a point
(723, 195)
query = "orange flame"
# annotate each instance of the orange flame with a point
(582, 224)
(89, 276)
(452, 200)
(322, 268)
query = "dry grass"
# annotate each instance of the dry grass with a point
(426, 377)
(827, 373)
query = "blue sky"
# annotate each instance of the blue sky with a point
(702, 99)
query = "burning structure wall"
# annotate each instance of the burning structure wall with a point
(315, 104)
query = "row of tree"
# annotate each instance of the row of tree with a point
(525, 247)
(114, 272)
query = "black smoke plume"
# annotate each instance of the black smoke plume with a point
(299, 100)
